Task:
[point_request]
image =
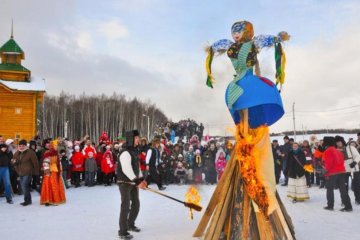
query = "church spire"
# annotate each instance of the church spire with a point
(12, 28)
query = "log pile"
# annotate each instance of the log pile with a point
(232, 214)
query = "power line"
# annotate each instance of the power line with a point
(321, 111)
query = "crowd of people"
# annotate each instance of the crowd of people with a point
(184, 129)
(85, 163)
(327, 163)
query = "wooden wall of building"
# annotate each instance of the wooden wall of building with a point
(17, 114)
(14, 76)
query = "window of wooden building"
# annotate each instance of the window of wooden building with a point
(18, 110)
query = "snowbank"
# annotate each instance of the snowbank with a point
(92, 214)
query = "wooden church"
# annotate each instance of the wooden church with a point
(20, 94)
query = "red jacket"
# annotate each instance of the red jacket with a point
(88, 149)
(142, 158)
(107, 166)
(99, 157)
(78, 161)
(333, 161)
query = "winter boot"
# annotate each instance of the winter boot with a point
(125, 235)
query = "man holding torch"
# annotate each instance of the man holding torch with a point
(130, 179)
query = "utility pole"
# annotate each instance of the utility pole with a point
(148, 126)
(293, 110)
(66, 129)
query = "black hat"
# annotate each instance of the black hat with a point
(62, 151)
(130, 137)
(3, 145)
(275, 140)
(23, 142)
(329, 142)
(286, 137)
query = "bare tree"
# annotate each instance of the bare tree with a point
(90, 115)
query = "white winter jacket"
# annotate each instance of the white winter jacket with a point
(353, 155)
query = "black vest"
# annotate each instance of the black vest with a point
(135, 164)
(155, 157)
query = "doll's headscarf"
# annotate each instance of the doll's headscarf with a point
(54, 145)
(244, 27)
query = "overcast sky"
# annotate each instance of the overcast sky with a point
(154, 50)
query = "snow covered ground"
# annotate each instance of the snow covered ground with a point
(92, 213)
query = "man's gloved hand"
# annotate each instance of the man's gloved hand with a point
(353, 164)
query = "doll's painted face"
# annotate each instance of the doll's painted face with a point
(237, 36)
(242, 31)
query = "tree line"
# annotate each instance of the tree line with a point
(76, 116)
(319, 131)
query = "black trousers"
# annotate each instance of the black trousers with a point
(129, 208)
(108, 178)
(337, 180)
(99, 176)
(35, 182)
(154, 176)
(76, 177)
(356, 186)
(15, 184)
(309, 178)
(277, 172)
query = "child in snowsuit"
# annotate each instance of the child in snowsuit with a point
(90, 170)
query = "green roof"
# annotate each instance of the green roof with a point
(13, 67)
(11, 46)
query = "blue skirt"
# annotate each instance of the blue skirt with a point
(260, 97)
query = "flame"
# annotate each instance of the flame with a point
(192, 196)
(309, 168)
(247, 154)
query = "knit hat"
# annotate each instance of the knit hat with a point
(3, 145)
(23, 142)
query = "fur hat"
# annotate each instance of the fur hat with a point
(340, 139)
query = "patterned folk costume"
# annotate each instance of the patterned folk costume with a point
(52, 190)
(245, 204)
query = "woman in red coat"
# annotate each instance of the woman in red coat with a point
(335, 175)
(78, 165)
(108, 166)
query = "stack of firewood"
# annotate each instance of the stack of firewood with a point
(232, 214)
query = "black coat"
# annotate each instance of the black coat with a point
(4, 159)
(295, 164)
